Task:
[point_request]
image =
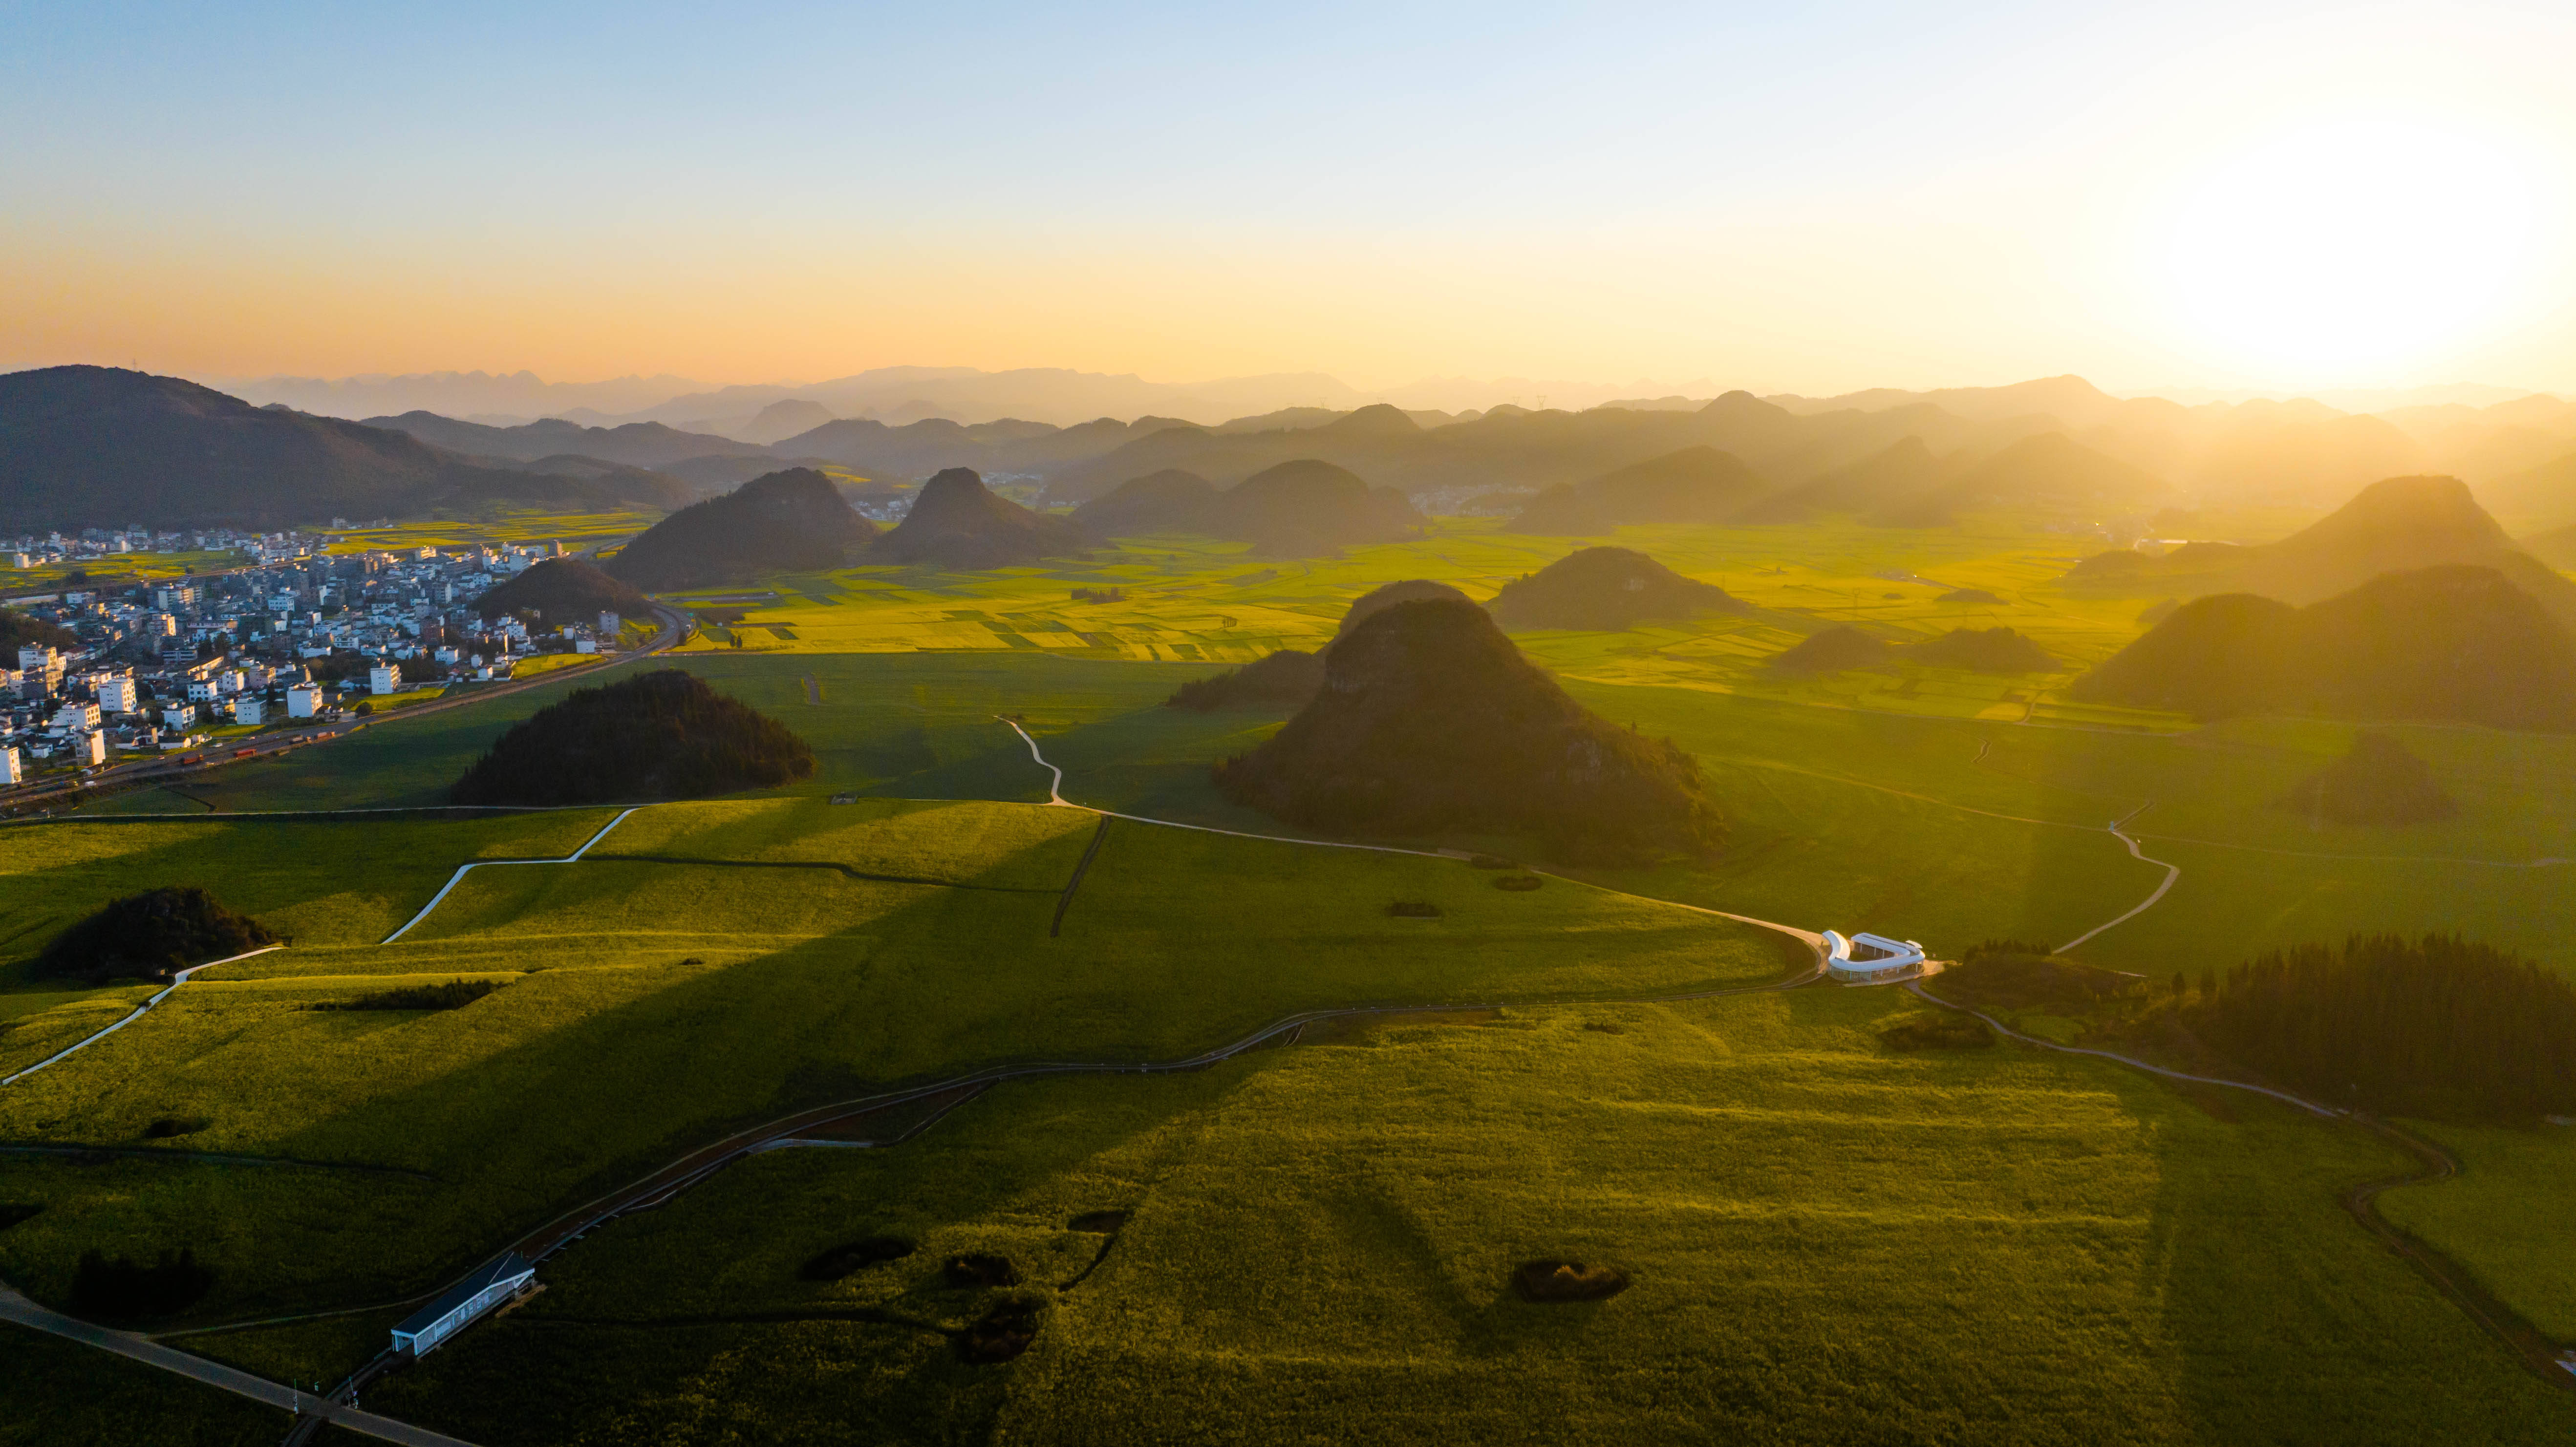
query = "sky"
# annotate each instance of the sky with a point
(1817, 198)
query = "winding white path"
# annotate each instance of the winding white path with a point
(462, 870)
(176, 981)
(2172, 873)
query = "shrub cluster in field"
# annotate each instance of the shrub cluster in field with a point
(116, 1288)
(454, 995)
(661, 735)
(152, 933)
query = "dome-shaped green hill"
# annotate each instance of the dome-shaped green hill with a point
(1430, 721)
(787, 521)
(1605, 588)
(957, 522)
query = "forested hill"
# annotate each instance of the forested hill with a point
(101, 446)
(786, 521)
(1430, 720)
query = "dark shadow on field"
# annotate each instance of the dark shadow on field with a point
(2274, 1296)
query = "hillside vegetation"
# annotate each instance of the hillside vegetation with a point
(90, 446)
(784, 521)
(152, 934)
(1605, 588)
(957, 522)
(2378, 784)
(1299, 508)
(663, 735)
(2457, 643)
(2431, 1026)
(1430, 720)
(564, 590)
(1694, 485)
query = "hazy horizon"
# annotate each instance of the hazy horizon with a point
(2279, 198)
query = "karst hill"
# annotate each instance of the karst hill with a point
(1692, 485)
(789, 521)
(1300, 508)
(2398, 524)
(2049, 471)
(2454, 643)
(957, 522)
(2378, 784)
(1605, 589)
(1875, 484)
(1430, 721)
(1287, 678)
(563, 590)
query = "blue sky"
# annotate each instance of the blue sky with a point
(1794, 195)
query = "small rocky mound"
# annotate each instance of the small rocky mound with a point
(789, 521)
(1967, 595)
(563, 590)
(1098, 1223)
(980, 1269)
(1430, 721)
(663, 735)
(1986, 650)
(1567, 1281)
(1605, 589)
(956, 522)
(1839, 647)
(1283, 681)
(851, 1257)
(2378, 784)
(1000, 1334)
(151, 934)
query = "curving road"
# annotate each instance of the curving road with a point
(176, 981)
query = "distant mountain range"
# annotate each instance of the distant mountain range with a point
(100, 446)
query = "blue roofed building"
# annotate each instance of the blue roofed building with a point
(491, 1284)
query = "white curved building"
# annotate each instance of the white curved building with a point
(1867, 958)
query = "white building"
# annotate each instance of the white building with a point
(383, 679)
(89, 749)
(247, 709)
(74, 718)
(178, 715)
(36, 657)
(609, 623)
(118, 694)
(10, 771)
(1868, 958)
(304, 700)
(490, 1285)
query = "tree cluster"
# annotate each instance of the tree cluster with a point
(2434, 1026)
(152, 934)
(106, 1288)
(661, 735)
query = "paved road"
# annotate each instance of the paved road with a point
(16, 1308)
(176, 981)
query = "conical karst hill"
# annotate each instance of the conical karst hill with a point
(789, 521)
(957, 522)
(1430, 721)
(1605, 589)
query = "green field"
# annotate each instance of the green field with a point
(1825, 1244)
(1828, 1242)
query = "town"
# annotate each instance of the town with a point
(298, 635)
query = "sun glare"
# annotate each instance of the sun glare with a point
(2352, 246)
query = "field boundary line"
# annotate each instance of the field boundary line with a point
(464, 869)
(177, 979)
(221, 1158)
(1064, 901)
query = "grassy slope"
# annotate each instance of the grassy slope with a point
(1827, 1244)
(2505, 1216)
(657, 1004)
(61, 1392)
